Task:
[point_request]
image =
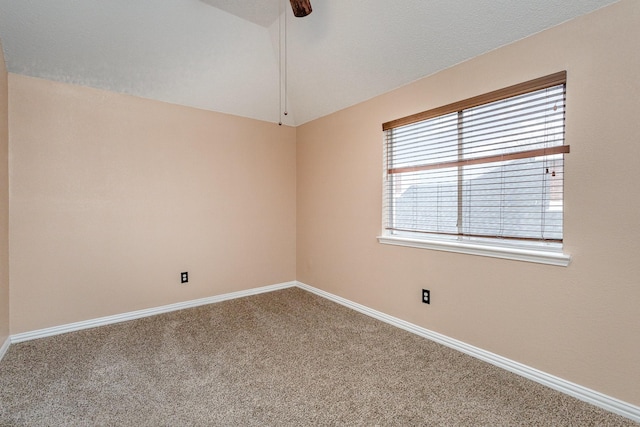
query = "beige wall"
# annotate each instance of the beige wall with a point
(4, 202)
(582, 322)
(113, 196)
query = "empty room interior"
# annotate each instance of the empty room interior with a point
(232, 162)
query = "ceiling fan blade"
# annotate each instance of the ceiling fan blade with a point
(301, 7)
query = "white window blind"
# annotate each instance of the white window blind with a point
(487, 168)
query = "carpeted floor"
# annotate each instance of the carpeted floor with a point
(286, 358)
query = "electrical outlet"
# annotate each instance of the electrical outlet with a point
(426, 296)
(184, 277)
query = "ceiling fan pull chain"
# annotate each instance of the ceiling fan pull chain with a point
(280, 60)
(285, 63)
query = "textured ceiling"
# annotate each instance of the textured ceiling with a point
(263, 12)
(222, 55)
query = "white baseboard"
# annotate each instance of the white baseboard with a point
(108, 320)
(4, 347)
(590, 396)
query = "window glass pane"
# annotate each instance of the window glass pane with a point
(526, 122)
(513, 198)
(431, 141)
(426, 201)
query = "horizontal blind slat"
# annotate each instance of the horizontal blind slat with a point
(489, 159)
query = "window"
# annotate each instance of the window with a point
(482, 176)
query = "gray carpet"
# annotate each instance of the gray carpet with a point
(277, 359)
